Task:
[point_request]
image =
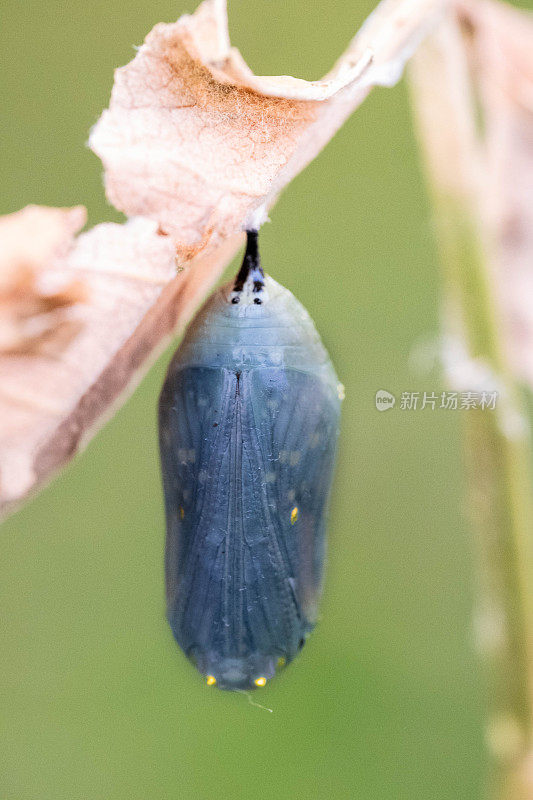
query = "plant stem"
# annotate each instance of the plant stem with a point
(496, 443)
(498, 460)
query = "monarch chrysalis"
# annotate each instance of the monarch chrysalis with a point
(248, 415)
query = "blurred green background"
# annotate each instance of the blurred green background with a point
(385, 700)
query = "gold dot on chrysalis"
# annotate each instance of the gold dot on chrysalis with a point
(182, 512)
(211, 680)
(260, 681)
(294, 515)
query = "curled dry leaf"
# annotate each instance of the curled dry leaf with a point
(54, 393)
(481, 61)
(199, 147)
(196, 141)
(30, 308)
(502, 63)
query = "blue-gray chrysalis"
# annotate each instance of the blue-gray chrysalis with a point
(248, 418)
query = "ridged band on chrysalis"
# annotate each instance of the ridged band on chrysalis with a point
(249, 416)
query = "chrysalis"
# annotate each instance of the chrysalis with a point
(249, 416)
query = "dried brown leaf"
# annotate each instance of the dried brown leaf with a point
(502, 64)
(196, 141)
(473, 83)
(53, 395)
(29, 308)
(196, 149)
